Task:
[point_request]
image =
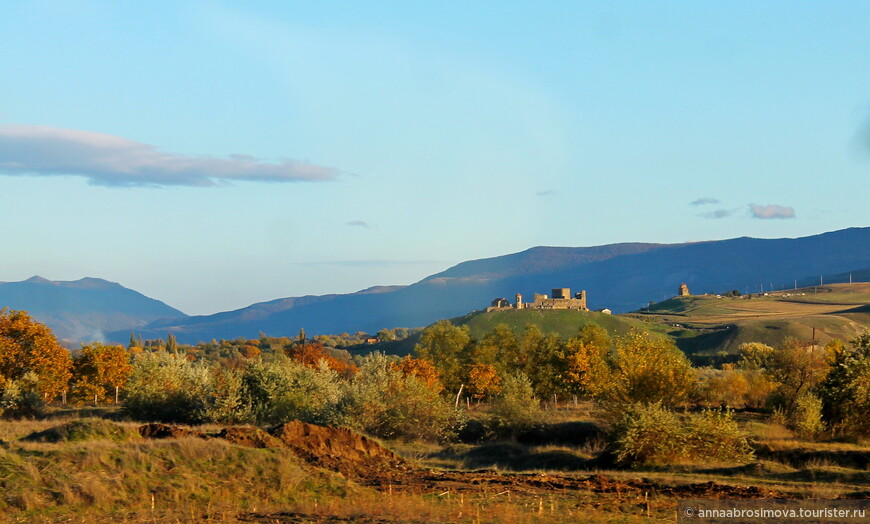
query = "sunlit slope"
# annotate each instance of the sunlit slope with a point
(564, 323)
(707, 325)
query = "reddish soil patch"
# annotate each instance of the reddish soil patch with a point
(338, 449)
(250, 437)
(167, 431)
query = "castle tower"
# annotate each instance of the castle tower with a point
(581, 296)
(519, 301)
(683, 291)
(561, 293)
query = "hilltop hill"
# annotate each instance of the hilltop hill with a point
(563, 323)
(83, 310)
(707, 325)
(622, 277)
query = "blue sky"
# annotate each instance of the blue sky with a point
(216, 154)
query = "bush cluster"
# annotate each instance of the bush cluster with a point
(380, 399)
(654, 434)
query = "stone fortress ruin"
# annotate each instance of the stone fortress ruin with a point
(561, 300)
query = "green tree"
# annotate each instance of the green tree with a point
(797, 368)
(543, 361)
(845, 392)
(499, 347)
(515, 409)
(446, 346)
(385, 335)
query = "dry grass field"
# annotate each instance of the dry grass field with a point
(106, 471)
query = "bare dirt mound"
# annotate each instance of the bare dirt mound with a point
(166, 431)
(338, 449)
(250, 437)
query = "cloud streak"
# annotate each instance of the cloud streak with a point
(719, 213)
(108, 160)
(704, 201)
(771, 211)
(359, 223)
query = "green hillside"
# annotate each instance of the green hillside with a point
(708, 328)
(707, 325)
(565, 323)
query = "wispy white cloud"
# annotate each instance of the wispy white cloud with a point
(547, 193)
(359, 223)
(771, 211)
(704, 201)
(109, 160)
(719, 213)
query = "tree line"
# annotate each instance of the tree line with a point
(640, 380)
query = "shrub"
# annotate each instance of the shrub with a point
(712, 434)
(651, 433)
(20, 398)
(648, 433)
(387, 403)
(283, 389)
(167, 387)
(806, 418)
(516, 409)
(227, 403)
(734, 388)
(723, 387)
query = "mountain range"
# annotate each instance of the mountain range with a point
(83, 310)
(621, 277)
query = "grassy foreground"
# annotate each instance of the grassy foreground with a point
(105, 471)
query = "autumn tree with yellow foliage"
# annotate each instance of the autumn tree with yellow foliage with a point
(99, 372)
(483, 381)
(29, 348)
(421, 368)
(644, 369)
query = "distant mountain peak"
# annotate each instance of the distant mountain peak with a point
(84, 309)
(92, 282)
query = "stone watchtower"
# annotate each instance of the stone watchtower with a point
(519, 301)
(581, 296)
(562, 293)
(683, 291)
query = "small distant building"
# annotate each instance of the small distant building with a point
(500, 303)
(606, 311)
(683, 291)
(561, 300)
